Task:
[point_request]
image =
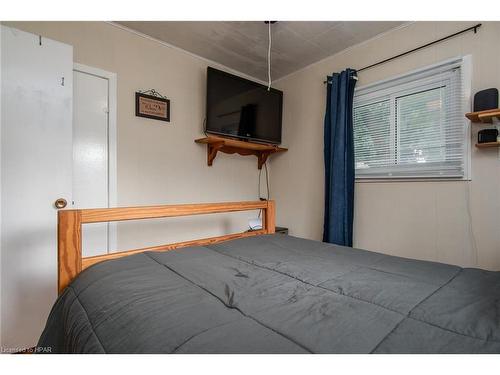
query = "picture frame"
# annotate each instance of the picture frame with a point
(152, 106)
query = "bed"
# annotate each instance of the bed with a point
(260, 292)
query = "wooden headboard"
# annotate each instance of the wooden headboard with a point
(69, 230)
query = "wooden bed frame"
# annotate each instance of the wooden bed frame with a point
(69, 230)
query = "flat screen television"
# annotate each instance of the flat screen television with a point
(241, 108)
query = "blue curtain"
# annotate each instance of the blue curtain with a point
(339, 159)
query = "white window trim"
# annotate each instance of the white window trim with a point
(372, 91)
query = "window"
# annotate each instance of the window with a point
(413, 126)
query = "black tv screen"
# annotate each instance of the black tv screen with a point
(241, 108)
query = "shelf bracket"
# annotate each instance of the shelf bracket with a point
(212, 149)
(262, 158)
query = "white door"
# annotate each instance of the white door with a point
(36, 162)
(91, 154)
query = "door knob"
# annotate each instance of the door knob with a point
(60, 203)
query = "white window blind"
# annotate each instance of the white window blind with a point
(413, 126)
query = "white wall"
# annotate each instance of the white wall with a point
(158, 162)
(423, 220)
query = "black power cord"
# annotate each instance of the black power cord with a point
(267, 185)
(205, 127)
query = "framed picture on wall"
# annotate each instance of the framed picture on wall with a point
(152, 106)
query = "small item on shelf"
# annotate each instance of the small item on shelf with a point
(487, 135)
(485, 100)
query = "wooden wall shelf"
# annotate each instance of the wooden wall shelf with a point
(232, 146)
(488, 144)
(484, 116)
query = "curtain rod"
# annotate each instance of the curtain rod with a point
(475, 27)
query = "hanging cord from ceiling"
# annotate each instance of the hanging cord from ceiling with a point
(269, 23)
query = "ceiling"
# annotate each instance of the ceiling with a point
(242, 46)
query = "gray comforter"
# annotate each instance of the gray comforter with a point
(276, 294)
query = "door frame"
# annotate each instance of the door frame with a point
(112, 115)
